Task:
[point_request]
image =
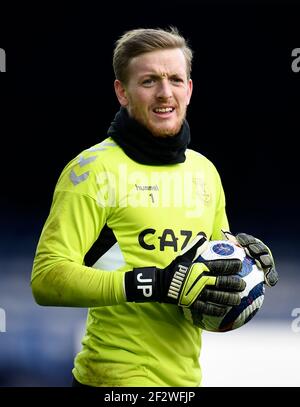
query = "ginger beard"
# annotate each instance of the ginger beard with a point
(158, 122)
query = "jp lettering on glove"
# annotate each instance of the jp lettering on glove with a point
(256, 249)
(209, 286)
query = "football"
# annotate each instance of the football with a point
(251, 298)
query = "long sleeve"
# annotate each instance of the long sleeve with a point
(59, 276)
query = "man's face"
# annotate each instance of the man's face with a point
(158, 91)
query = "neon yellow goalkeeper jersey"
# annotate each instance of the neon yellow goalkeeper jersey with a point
(108, 215)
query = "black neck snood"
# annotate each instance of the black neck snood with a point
(140, 145)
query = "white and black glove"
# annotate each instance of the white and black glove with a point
(208, 286)
(256, 249)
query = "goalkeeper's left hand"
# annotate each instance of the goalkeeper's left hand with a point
(262, 255)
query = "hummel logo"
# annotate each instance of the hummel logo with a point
(177, 282)
(147, 187)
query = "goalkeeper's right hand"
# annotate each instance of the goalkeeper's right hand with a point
(209, 287)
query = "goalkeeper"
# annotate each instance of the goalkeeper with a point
(128, 218)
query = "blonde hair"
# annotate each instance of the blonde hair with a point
(135, 42)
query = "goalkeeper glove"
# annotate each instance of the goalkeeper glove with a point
(186, 283)
(262, 255)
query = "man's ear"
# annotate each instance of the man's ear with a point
(121, 93)
(189, 91)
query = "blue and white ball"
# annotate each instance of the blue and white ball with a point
(251, 298)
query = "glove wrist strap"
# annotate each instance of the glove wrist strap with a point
(141, 284)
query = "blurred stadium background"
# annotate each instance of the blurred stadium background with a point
(58, 99)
